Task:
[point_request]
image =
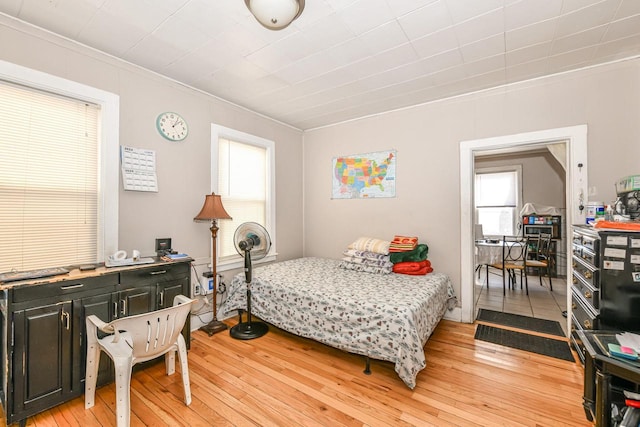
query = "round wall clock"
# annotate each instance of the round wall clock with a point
(172, 126)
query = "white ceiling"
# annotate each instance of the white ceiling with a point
(344, 59)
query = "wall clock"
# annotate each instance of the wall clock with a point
(172, 126)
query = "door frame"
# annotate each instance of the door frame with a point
(575, 138)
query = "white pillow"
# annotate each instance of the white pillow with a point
(371, 245)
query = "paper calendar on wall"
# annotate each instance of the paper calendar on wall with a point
(138, 169)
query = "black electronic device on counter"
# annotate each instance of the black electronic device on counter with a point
(163, 247)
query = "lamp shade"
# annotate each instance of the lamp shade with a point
(275, 14)
(212, 209)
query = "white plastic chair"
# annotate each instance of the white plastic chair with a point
(136, 339)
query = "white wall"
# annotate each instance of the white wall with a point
(427, 138)
(183, 168)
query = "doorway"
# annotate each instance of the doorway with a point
(507, 186)
(575, 139)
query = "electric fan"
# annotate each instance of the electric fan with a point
(251, 241)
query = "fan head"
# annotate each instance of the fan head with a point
(251, 236)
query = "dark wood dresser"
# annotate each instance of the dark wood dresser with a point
(43, 348)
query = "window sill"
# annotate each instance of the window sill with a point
(231, 265)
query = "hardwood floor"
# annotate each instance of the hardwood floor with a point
(283, 380)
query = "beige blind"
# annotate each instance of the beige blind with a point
(48, 180)
(242, 184)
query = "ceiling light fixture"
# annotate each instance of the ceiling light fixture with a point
(275, 15)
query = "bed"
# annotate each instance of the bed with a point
(382, 316)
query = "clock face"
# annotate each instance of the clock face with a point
(172, 126)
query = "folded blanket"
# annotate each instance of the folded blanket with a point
(368, 261)
(403, 244)
(421, 272)
(414, 268)
(366, 254)
(364, 268)
(418, 254)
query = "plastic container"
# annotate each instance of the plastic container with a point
(595, 212)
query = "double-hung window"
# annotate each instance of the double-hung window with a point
(242, 173)
(58, 171)
(497, 200)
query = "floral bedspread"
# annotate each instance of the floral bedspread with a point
(386, 317)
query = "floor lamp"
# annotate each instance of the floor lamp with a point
(212, 210)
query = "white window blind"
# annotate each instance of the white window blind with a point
(243, 187)
(496, 200)
(48, 180)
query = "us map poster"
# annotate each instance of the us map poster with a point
(363, 176)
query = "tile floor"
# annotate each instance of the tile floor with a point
(540, 303)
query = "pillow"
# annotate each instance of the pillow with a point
(371, 245)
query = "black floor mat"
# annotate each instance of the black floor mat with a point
(550, 327)
(532, 343)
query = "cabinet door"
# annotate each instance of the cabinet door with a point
(42, 357)
(167, 292)
(101, 306)
(136, 301)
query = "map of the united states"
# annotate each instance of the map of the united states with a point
(367, 175)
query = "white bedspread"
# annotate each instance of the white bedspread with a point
(386, 317)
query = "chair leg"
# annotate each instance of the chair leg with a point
(170, 362)
(504, 284)
(540, 276)
(123, 387)
(91, 375)
(184, 369)
(487, 275)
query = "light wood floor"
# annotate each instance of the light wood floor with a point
(283, 380)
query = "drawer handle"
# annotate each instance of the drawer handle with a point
(587, 294)
(66, 288)
(154, 273)
(575, 280)
(588, 275)
(587, 324)
(574, 265)
(574, 306)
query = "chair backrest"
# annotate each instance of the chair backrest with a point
(154, 332)
(544, 246)
(514, 249)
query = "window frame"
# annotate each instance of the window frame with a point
(109, 123)
(518, 207)
(217, 132)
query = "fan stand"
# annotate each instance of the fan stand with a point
(248, 330)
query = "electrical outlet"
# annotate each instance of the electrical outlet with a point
(197, 290)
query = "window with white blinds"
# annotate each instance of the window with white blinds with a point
(497, 200)
(49, 180)
(244, 165)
